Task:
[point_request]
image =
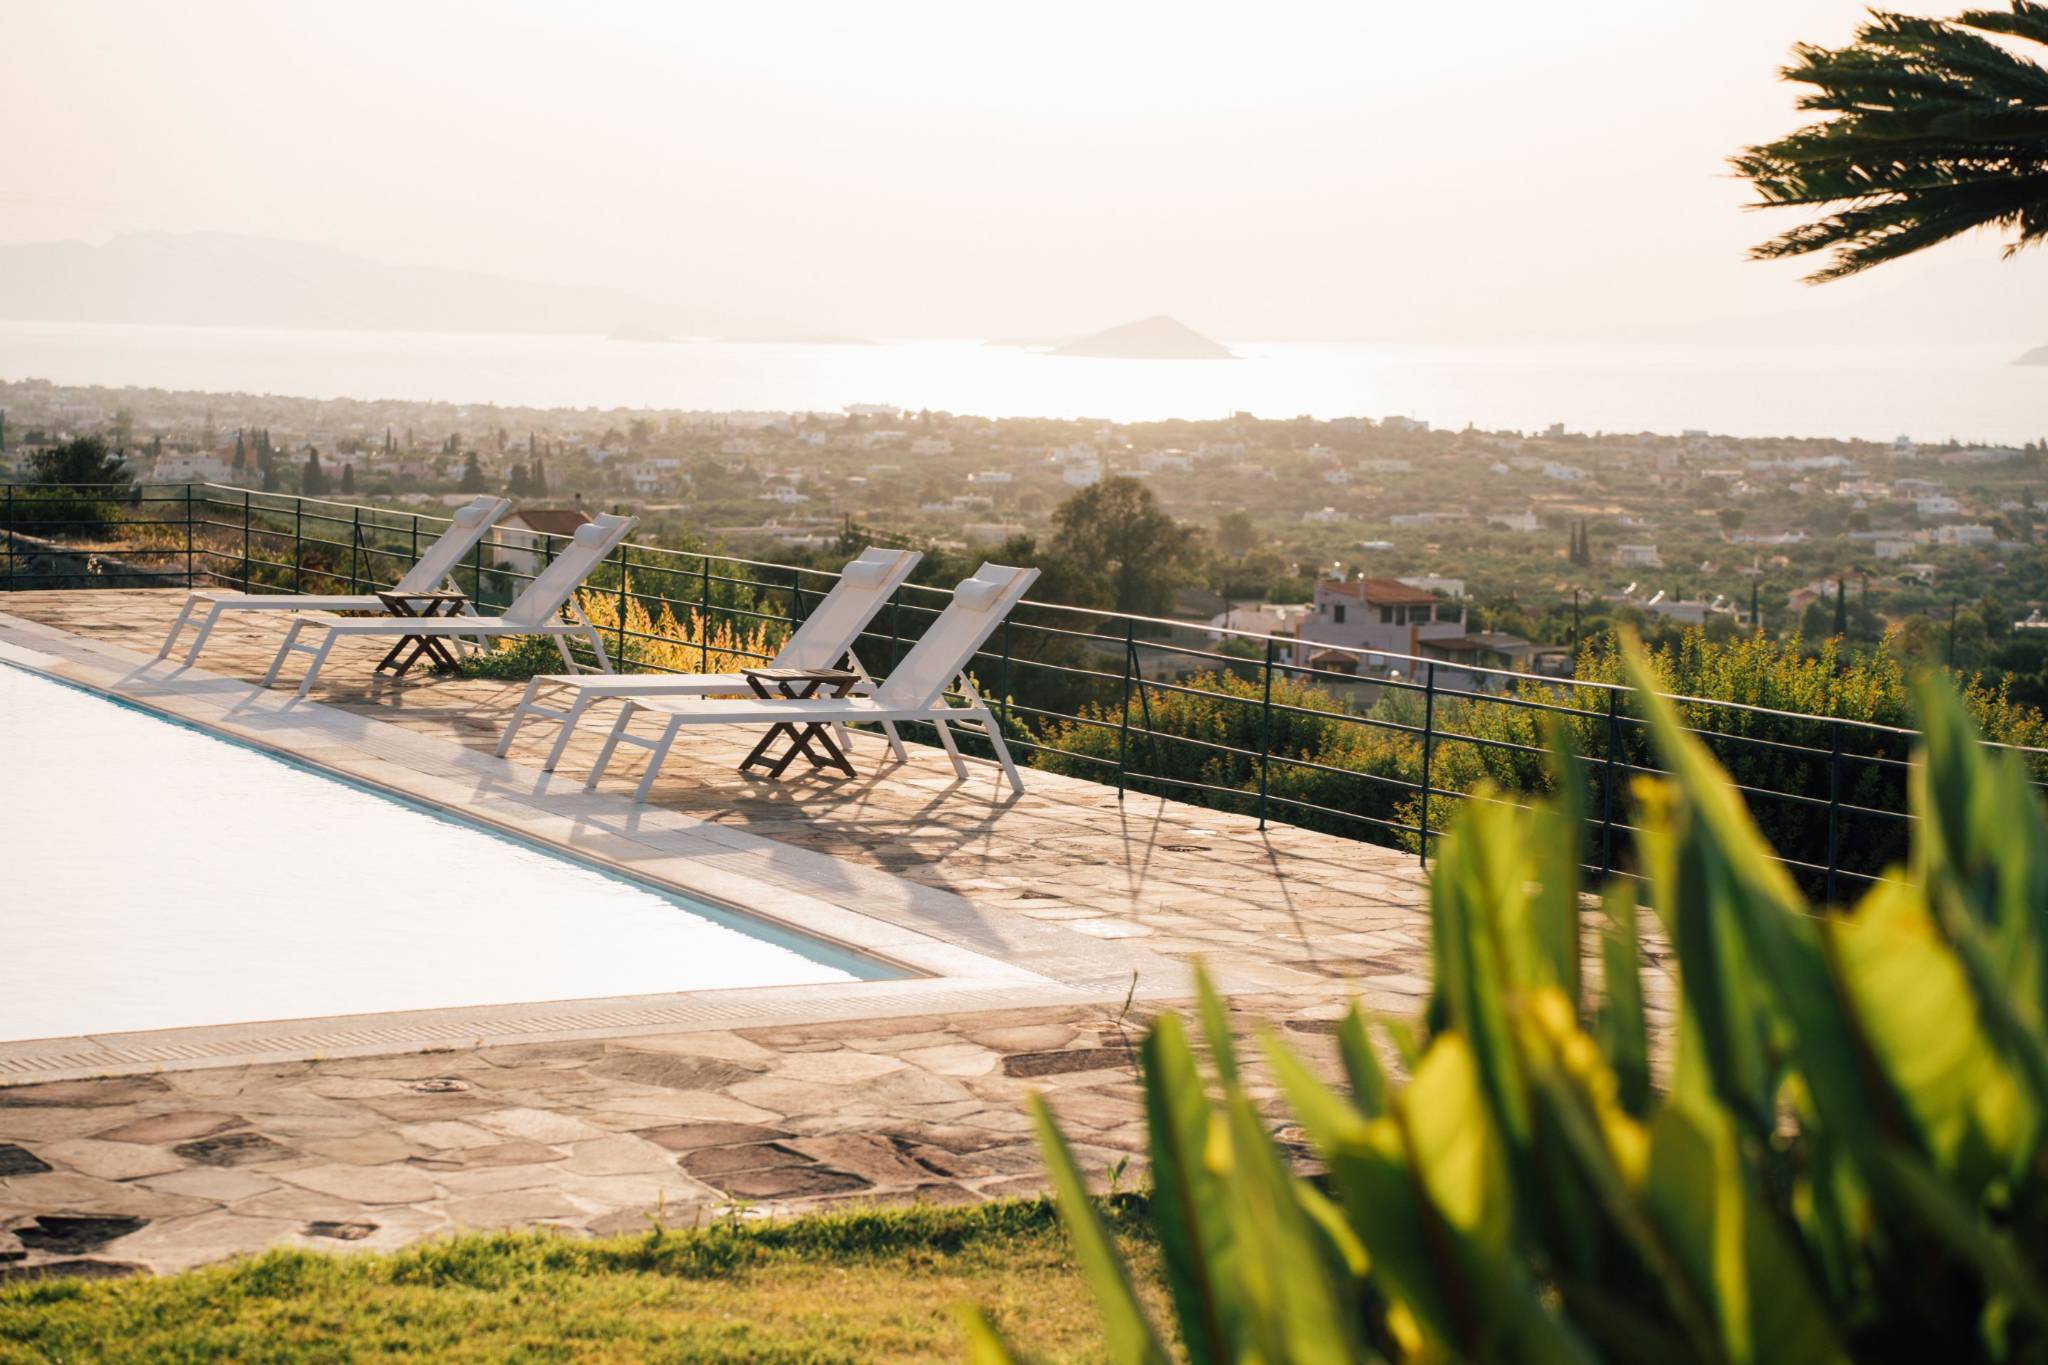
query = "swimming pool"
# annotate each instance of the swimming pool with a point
(153, 875)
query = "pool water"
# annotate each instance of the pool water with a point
(155, 876)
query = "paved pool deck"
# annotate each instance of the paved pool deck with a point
(1027, 917)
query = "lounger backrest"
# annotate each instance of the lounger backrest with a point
(471, 522)
(543, 598)
(832, 626)
(979, 605)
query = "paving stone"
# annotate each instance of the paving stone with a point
(340, 1232)
(787, 1182)
(673, 1072)
(641, 1190)
(448, 1133)
(537, 1125)
(707, 1162)
(670, 1106)
(73, 1234)
(685, 1137)
(110, 1160)
(728, 1046)
(211, 1182)
(515, 1153)
(494, 1179)
(836, 1068)
(100, 1094)
(1037, 1064)
(185, 1242)
(17, 1160)
(618, 1155)
(168, 1128)
(515, 1208)
(869, 1155)
(364, 1184)
(954, 1059)
(234, 1149)
(360, 1149)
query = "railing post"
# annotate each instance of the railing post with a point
(620, 648)
(477, 562)
(1265, 732)
(704, 603)
(10, 537)
(1834, 803)
(298, 540)
(188, 537)
(355, 543)
(1428, 751)
(246, 566)
(1123, 715)
(1607, 782)
(1003, 678)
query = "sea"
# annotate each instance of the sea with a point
(1974, 393)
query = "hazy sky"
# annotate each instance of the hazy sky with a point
(1268, 171)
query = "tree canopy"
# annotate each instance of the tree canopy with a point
(1934, 127)
(85, 460)
(1118, 548)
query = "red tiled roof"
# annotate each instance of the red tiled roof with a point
(1383, 592)
(552, 521)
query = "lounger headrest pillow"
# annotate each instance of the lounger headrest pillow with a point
(592, 533)
(865, 572)
(472, 514)
(980, 594)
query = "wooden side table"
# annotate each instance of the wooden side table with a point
(422, 606)
(799, 684)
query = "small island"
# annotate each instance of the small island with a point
(1156, 338)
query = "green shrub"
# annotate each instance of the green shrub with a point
(1846, 1162)
(57, 513)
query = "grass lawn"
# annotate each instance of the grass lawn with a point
(862, 1285)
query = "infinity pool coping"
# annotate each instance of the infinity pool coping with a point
(964, 957)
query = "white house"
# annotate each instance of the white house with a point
(1937, 505)
(1564, 473)
(1403, 424)
(1373, 614)
(931, 445)
(518, 541)
(1525, 522)
(1082, 475)
(188, 466)
(1964, 534)
(1637, 557)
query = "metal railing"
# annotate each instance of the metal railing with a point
(1248, 728)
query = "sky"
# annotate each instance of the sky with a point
(1492, 170)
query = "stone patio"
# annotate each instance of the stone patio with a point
(163, 1171)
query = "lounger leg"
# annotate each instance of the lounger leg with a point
(660, 755)
(576, 710)
(519, 713)
(205, 629)
(995, 739)
(611, 744)
(604, 663)
(283, 651)
(895, 741)
(177, 626)
(562, 648)
(952, 751)
(319, 659)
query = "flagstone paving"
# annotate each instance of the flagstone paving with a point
(161, 1172)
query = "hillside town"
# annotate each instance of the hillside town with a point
(1481, 549)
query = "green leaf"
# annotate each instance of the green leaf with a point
(1189, 1203)
(1131, 1338)
(2004, 1269)
(1621, 1027)
(1361, 1064)
(1216, 1027)
(985, 1346)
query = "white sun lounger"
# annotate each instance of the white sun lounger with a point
(536, 611)
(824, 638)
(471, 523)
(915, 689)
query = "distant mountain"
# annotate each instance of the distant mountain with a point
(2037, 356)
(226, 280)
(1159, 338)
